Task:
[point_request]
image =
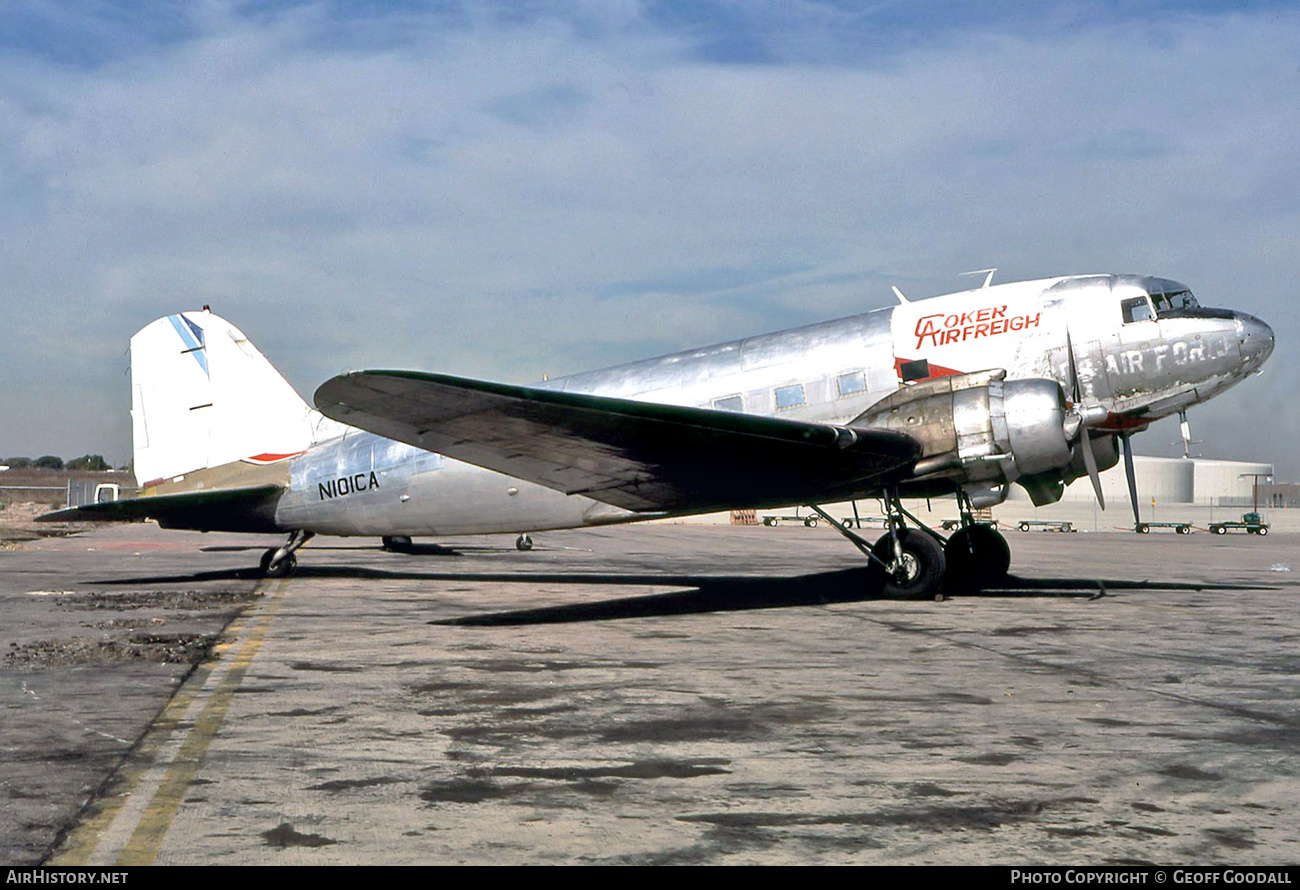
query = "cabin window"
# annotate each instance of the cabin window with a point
(1137, 309)
(851, 383)
(789, 396)
(730, 403)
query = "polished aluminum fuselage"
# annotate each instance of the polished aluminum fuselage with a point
(1130, 373)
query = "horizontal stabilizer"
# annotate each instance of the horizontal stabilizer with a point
(232, 510)
(637, 455)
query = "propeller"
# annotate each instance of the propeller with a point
(1132, 481)
(1089, 459)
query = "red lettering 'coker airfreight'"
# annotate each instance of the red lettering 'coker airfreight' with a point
(943, 328)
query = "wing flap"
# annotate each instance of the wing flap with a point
(637, 455)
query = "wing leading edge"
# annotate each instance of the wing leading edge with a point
(640, 456)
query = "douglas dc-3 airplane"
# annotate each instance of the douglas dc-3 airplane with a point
(1037, 383)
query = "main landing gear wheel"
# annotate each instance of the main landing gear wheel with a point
(977, 557)
(397, 544)
(917, 573)
(282, 569)
(524, 542)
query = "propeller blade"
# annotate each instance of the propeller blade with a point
(1132, 480)
(1074, 371)
(1090, 461)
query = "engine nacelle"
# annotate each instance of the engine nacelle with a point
(982, 431)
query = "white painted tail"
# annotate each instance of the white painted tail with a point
(203, 396)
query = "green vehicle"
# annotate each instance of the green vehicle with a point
(1251, 523)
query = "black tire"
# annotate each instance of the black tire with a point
(1024, 526)
(1183, 530)
(920, 572)
(523, 543)
(977, 557)
(1143, 529)
(810, 523)
(1220, 530)
(398, 544)
(283, 569)
(1263, 530)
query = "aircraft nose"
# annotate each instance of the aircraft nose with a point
(1256, 339)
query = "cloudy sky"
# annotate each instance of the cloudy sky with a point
(506, 190)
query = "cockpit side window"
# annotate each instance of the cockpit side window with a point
(1137, 309)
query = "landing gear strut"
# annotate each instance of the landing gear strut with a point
(915, 562)
(906, 563)
(279, 562)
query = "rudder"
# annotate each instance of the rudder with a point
(203, 396)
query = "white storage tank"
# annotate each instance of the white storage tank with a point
(1171, 480)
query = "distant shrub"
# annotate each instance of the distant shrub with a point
(93, 462)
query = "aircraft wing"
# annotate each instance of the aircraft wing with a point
(637, 455)
(250, 509)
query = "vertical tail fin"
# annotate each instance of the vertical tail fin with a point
(203, 396)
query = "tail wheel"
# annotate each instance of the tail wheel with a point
(977, 557)
(918, 572)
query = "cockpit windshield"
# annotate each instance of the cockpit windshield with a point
(1165, 299)
(1173, 301)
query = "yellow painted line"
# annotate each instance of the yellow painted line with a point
(132, 828)
(79, 846)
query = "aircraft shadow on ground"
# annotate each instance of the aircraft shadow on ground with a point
(700, 594)
(412, 550)
(743, 594)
